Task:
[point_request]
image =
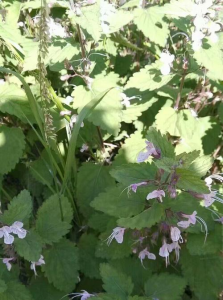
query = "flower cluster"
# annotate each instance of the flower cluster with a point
(16, 228)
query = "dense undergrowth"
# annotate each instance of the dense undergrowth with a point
(111, 150)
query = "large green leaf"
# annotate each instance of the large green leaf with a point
(92, 179)
(165, 286)
(31, 247)
(12, 144)
(117, 202)
(150, 22)
(148, 78)
(134, 173)
(115, 282)
(147, 218)
(15, 290)
(190, 181)
(204, 274)
(19, 209)
(61, 268)
(41, 289)
(54, 218)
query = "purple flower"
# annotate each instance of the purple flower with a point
(17, 228)
(6, 261)
(175, 234)
(40, 262)
(151, 150)
(145, 253)
(165, 251)
(5, 232)
(84, 295)
(134, 186)
(156, 194)
(219, 220)
(117, 234)
(175, 246)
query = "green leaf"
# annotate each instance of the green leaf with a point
(134, 173)
(3, 286)
(115, 282)
(61, 268)
(165, 286)
(14, 102)
(92, 179)
(186, 159)
(19, 209)
(49, 224)
(201, 165)
(147, 218)
(167, 164)
(210, 56)
(117, 203)
(89, 264)
(12, 144)
(107, 114)
(29, 248)
(15, 290)
(150, 22)
(182, 8)
(148, 78)
(190, 181)
(41, 289)
(161, 141)
(130, 149)
(204, 274)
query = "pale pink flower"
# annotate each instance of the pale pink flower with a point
(117, 234)
(175, 246)
(134, 186)
(156, 194)
(40, 262)
(6, 261)
(145, 253)
(219, 220)
(126, 99)
(17, 228)
(84, 295)
(5, 232)
(151, 150)
(84, 147)
(175, 234)
(210, 198)
(165, 251)
(167, 62)
(208, 180)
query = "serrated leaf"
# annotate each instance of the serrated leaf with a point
(89, 264)
(201, 165)
(165, 286)
(148, 78)
(12, 144)
(186, 159)
(190, 181)
(19, 209)
(92, 179)
(117, 203)
(41, 289)
(61, 268)
(108, 112)
(49, 224)
(147, 218)
(182, 8)
(150, 22)
(15, 290)
(166, 163)
(134, 173)
(29, 248)
(130, 150)
(204, 274)
(115, 282)
(3, 286)
(99, 221)
(210, 56)
(14, 102)
(161, 141)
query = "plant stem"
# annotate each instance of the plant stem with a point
(180, 90)
(101, 139)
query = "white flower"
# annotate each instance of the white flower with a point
(55, 29)
(107, 11)
(117, 234)
(17, 228)
(84, 295)
(176, 235)
(40, 262)
(145, 253)
(165, 251)
(200, 22)
(167, 62)
(213, 28)
(6, 261)
(197, 37)
(126, 99)
(5, 232)
(73, 120)
(84, 148)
